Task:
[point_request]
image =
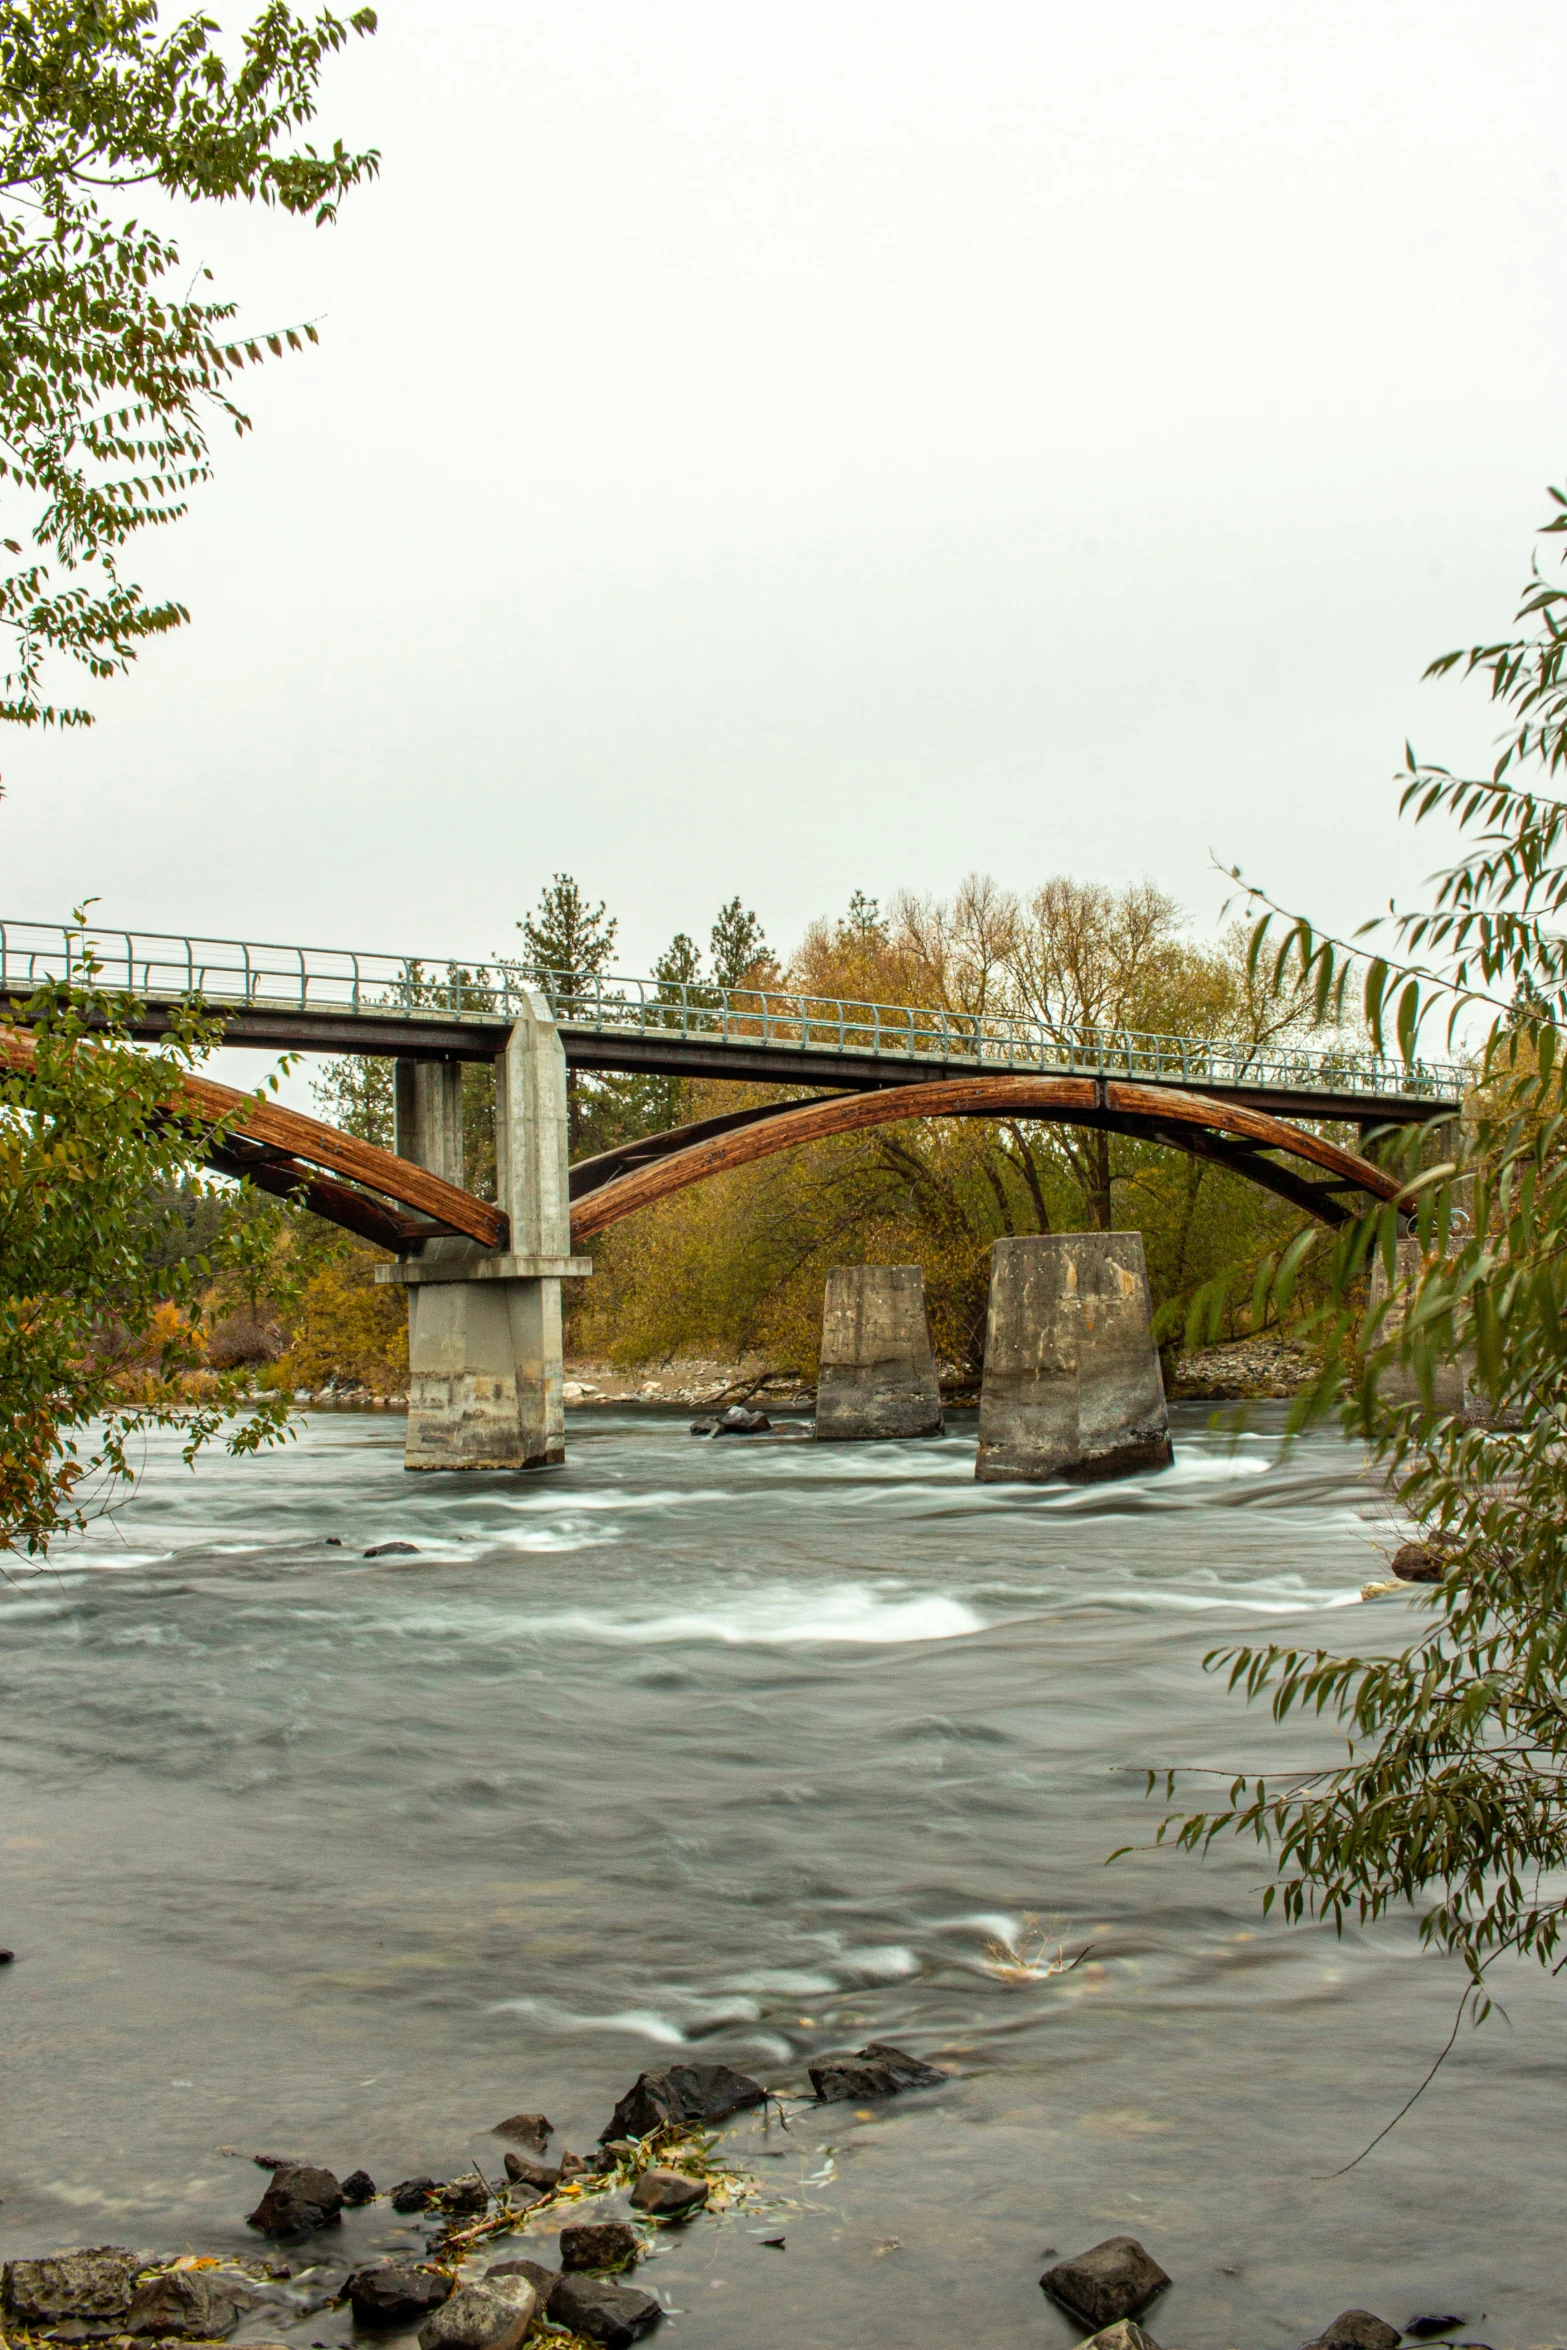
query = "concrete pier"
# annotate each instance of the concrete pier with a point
(1450, 1386)
(878, 1375)
(484, 1333)
(1072, 1385)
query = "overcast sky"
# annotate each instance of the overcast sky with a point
(788, 449)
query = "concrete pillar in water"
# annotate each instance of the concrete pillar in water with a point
(484, 1334)
(1072, 1386)
(878, 1376)
(1450, 1386)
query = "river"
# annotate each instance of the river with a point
(752, 1750)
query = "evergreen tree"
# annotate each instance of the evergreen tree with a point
(738, 945)
(569, 942)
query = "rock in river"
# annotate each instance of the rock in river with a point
(300, 2197)
(395, 2296)
(523, 2171)
(603, 2309)
(542, 2279)
(1110, 2281)
(1357, 2329)
(668, 2194)
(529, 2129)
(196, 2305)
(415, 2194)
(492, 2315)
(393, 1550)
(599, 2243)
(95, 2284)
(1127, 2335)
(359, 2187)
(682, 2093)
(873, 2071)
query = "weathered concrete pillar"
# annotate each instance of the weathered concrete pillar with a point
(484, 1327)
(878, 1376)
(1450, 1386)
(1072, 1386)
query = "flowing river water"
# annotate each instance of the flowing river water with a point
(741, 1750)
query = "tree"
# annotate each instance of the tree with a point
(110, 370)
(96, 1166)
(738, 945)
(1454, 1793)
(355, 1091)
(569, 942)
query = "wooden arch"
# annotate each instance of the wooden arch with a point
(621, 1182)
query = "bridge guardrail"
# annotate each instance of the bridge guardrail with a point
(233, 972)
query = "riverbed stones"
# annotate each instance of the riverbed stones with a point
(190, 2305)
(465, 2198)
(1126, 2334)
(393, 1550)
(1072, 1386)
(598, 2244)
(681, 2093)
(96, 2284)
(878, 1375)
(668, 2194)
(741, 1421)
(603, 2309)
(523, 2171)
(394, 2295)
(527, 2129)
(1110, 2281)
(1420, 1562)
(1357, 2329)
(415, 2194)
(876, 2070)
(494, 2314)
(358, 2188)
(542, 2279)
(301, 2196)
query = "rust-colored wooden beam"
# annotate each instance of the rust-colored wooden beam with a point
(1070, 1100)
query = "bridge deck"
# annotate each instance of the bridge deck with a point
(331, 1000)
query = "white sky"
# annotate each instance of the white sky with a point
(792, 448)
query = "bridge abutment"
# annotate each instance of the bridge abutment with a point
(878, 1376)
(1072, 1386)
(484, 1326)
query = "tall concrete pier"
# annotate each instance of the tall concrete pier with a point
(1072, 1386)
(1450, 1384)
(878, 1376)
(484, 1341)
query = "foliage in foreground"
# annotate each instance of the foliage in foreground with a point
(100, 1301)
(1455, 1790)
(110, 366)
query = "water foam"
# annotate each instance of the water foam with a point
(851, 1613)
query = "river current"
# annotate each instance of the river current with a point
(741, 1750)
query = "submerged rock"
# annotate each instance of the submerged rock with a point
(196, 2305)
(492, 2315)
(1357, 2329)
(98, 2283)
(873, 2071)
(681, 2093)
(358, 2187)
(737, 1421)
(392, 2295)
(668, 2194)
(465, 2197)
(529, 2129)
(598, 2243)
(1424, 2327)
(704, 1427)
(301, 2196)
(1111, 2280)
(415, 2194)
(393, 1550)
(523, 2171)
(603, 2309)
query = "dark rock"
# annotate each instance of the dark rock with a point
(1424, 2327)
(542, 2279)
(1111, 2280)
(83, 2329)
(415, 2194)
(392, 2295)
(1420, 1562)
(332, 1541)
(392, 1550)
(93, 2284)
(682, 2093)
(523, 2171)
(197, 2305)
(603, 2310)
(707, 1427)
(572, 2166)
(737, 1421)
(1357, 2329)
(359, 2187)
(667, 2194)
(529, 2129)
(598, 2243)
(6, 1957)
(619, 2149)
(873, 2071)
(298, 2198)
(465, 2197)
(494, 2314)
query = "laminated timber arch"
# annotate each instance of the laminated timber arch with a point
(617, 1184)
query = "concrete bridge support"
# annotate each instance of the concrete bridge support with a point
(1450, 1386)
(878, 1376)
(484, 1343)
(1072, 1386)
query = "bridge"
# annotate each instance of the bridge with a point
(483, 1277)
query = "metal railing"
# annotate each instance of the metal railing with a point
(230, 973)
